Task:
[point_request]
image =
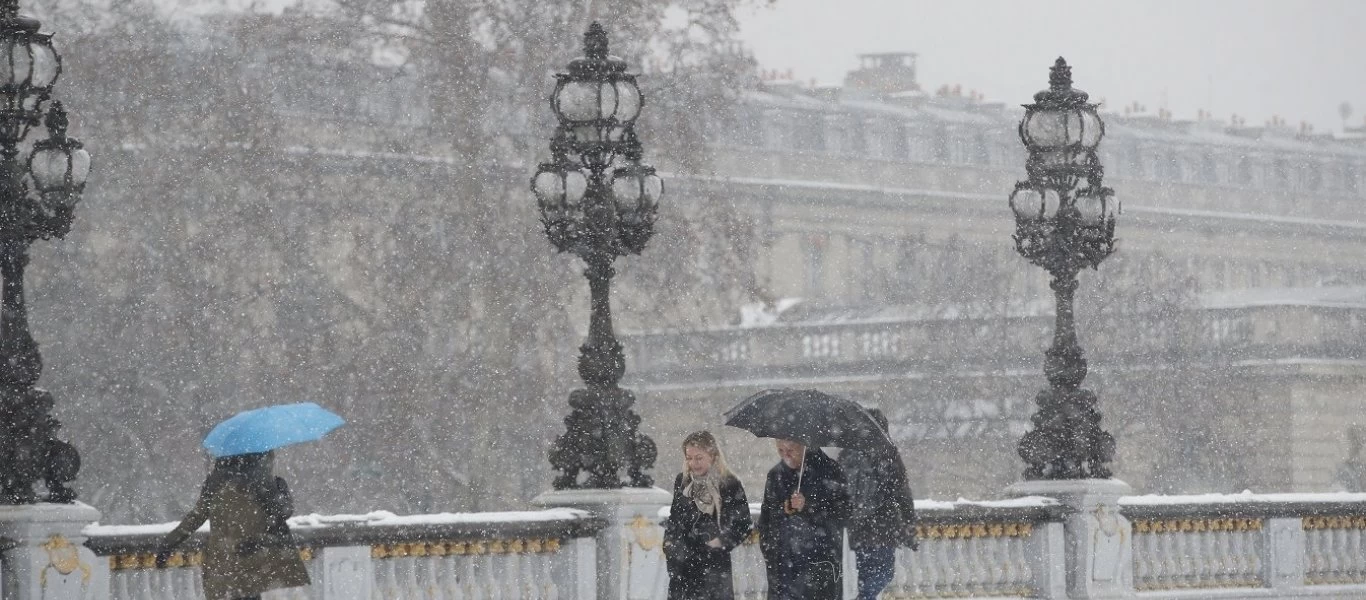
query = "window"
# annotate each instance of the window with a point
(1209, 171)
(746, 128)
(1169, 167)
(1244, 171)
(897, 147)
(1313, 176)
(773, 128)
(1135, 162)
(862, 267)
(808, 129)
(815, 264)
(855, 138)
(1280, 174)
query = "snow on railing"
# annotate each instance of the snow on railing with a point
(532, 555)
(974, 549)
(1226, 546)
(1310, 543)
(967, 548)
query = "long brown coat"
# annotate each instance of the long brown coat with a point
(235, 515)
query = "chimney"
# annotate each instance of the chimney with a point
(883, 75)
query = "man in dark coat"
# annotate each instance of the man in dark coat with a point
(882, 515)
(800, 523)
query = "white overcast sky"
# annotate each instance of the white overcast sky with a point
(1255, 58)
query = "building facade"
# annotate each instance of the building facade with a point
(1224, 335)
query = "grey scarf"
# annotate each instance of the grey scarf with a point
(705, 491)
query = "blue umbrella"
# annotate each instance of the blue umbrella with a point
(265, 429)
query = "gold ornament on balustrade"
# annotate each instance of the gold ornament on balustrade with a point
(462, 548)
(1154, 526)
(147, 560)
(974, 530)
(1334, 522)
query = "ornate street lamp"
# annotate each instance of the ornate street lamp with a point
(38, 195)
(1064, 229)
(598, 201)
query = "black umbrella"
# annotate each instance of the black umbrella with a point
(811, 417)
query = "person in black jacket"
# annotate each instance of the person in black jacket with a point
(805, 505)
(708, 519)
(882, 515)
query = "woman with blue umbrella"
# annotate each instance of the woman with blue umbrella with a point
(250, 549)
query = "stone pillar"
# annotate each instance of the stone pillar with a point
(43, 553)
(629, 557)
(1047, 554)
(343, 573)
(1283, 553)
(1098, 541)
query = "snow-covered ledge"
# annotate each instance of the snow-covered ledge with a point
(1249, 545)
(1232, 546)
(630, 549)
(527, 554)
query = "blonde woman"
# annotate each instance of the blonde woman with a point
(709, 518)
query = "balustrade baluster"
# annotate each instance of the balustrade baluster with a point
(120, 582)
(1181, 555)
(1314, 562)
(552, 588)
(474, 584)
(144, 584)
(1143, 555)
(386, 584)
(1171, 566)
(1231, 574)
(1354, 557)
(1230, 547)
(450, 573)
(521, 583)
(918, 574)
(935, 562)
(413, 582)
(1348, 552)
(1334, 554)
(974, 570)
(1024, 569)
(1204, 550)
(1347, 566)
(1003, 572)
(499, 576)
(433, 572)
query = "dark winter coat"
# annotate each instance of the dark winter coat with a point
(881, 510)
(249, 549)
(803, 550)
(697, 571)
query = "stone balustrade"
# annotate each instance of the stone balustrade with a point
(1249, 545)
(861, 344)
(1171, 547)
(975, 549)
(531, 555)
(967, 549)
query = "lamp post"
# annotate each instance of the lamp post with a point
(1064, 228)
(597, 201)
(38, 195)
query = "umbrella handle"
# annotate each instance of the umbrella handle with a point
(801, 470)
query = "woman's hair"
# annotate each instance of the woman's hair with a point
(251, 469)
(704, 440)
